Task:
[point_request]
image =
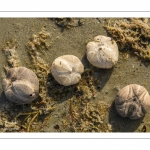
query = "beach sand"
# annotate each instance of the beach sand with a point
(73, 41)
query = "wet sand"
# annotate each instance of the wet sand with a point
(73, 41)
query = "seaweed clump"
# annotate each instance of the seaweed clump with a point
(67, 23)
(132, 35)
(87, 117)
(9, 49)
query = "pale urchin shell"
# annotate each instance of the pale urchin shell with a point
(21, 85)
(67, 69)
(132, 101)
(102, 52)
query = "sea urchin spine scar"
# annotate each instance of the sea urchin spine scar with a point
(132, 101)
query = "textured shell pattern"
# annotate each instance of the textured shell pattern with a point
(21, 85)
(102, 52)
(132, 101)
(67, 69)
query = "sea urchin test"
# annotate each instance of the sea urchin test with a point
(132, 101)
(67, 69)
(102, 52)
(21, 85)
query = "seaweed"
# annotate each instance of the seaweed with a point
(9, 49)
(132, 35)
(87, 117)
(67, 23)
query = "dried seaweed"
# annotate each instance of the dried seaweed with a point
(67, 23)
(88, 117)
(132, 35)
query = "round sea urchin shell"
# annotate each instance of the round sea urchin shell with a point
(21, 85)
(67, 69)
(132, 101)
(102, 52)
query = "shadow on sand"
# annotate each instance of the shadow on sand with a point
(120, 124)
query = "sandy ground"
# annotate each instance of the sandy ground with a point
(73, 41)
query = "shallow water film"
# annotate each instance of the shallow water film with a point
(89, 105)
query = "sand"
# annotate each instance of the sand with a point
(73, 41)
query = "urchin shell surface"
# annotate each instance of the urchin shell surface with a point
(102, 52)
(67, 69)
(132, 101)
(21, 85)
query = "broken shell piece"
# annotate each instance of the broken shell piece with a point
(102, 52)
(67, 69)
(132, 101)
(21, 85)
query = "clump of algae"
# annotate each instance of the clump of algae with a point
(35, 46)
(9, 49)
(87, 117)
(132, 35)
(67, 22)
